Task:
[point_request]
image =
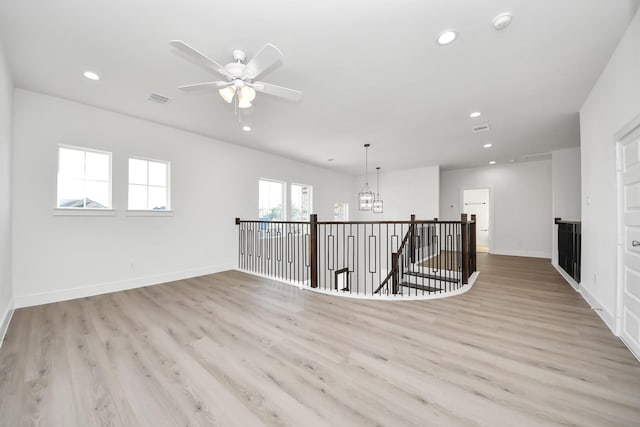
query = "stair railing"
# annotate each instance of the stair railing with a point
(394, 273)
(364, 258)
(569, 247)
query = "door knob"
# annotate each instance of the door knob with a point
(635, 243)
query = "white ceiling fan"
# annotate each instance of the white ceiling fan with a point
(240, 84)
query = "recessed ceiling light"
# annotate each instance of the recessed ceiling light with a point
(488, 145)
(475, 114)
(447, 37)
(91, 75)
(502, 21)
(246, 128)
(330, 160)
(492, 162)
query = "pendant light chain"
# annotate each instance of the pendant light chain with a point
(366, 164)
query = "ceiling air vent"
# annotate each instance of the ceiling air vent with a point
(158, 98)
(480, 128)
(535, 156)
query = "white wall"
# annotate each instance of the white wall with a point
(405, 192)
(212, 182)
(566, 190)
(565, 165)
(520, 210)
(613, 102)
(6, 105)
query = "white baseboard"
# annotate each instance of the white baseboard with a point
(604, 314)
(120, 285)
(5, 320)
(575, 285)
(527, 254)
(607, 317)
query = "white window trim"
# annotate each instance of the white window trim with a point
(285, 211)
(148, 212)
(140, 212)
(83, 212)
(89, 211)
(311, 198)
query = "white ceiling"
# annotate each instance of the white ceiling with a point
(370, 71)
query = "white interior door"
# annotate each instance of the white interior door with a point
(629, 282)
(476, 202)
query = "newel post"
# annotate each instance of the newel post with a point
(395, 277)
(313, 250)
(465, 248)
(472, 244)
(412, 241)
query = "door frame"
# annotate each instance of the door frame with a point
(491, 214)
(620, 137)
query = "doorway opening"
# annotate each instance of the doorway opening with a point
(476, 202)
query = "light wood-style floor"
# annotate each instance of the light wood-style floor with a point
(521, 348)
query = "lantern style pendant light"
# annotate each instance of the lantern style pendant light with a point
(377, 202)
(365, 196)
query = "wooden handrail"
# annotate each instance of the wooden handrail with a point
(262, 221)
(561, 221)
(238, 221)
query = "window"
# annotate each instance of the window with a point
(301, 202)
(271, 200)
(148, 185)
(341, 212)
(84, 178)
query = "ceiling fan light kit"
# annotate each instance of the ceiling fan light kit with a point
(227, 93)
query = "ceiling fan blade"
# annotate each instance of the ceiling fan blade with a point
(204, 86)
(199, 57)
(282, 92)
(267, 57)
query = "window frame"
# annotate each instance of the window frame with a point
(345, 211)
(145, 212)
(71, 210)
(291, 202)
(284, 197)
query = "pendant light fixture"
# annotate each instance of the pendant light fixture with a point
(365, 196)
(377, 203)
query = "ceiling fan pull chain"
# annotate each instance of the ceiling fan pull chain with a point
(235, 105)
